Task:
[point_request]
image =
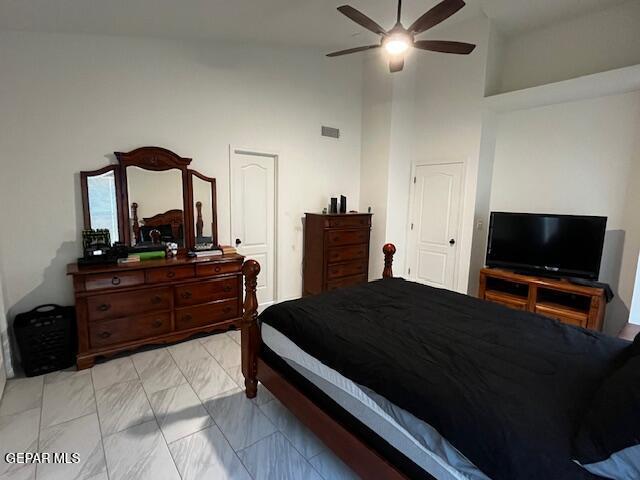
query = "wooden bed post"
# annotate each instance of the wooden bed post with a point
(389, 249)
(135, 223)
(250, 335)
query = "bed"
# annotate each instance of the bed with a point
(401, 380)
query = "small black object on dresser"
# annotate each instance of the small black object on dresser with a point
(46, 338)
(336, 251)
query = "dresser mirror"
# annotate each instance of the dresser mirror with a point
(151, 190)
(156, 203)
(100, 194)
(204, 206)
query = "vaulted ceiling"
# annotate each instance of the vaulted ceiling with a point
(307, 23)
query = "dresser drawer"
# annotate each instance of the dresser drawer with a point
(114, 305)
(169, 274)
(506, 299)
(563, 315)
(346, 281)
(205, 292)
(99, 281)
(349, 221)
(346, 269)
(112, 332)
(347, 237)
(209, 269)
(344, 254)
(208, 314)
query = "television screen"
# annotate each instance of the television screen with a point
(560, 245)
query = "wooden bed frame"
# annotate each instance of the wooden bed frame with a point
(351, 449)
(174, 218)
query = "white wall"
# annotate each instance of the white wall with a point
(69, 101)
(4, 338)
(448, 118)
(377, 98)
(592, 43)
(574, 158)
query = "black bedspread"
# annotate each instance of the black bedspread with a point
(506, 388)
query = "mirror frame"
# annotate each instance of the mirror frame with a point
(214, 206)
(84, 186)
(156, 159)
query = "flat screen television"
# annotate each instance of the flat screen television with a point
(547, 244)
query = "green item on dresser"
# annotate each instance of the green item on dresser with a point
(151, 255)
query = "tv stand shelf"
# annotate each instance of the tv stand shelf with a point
(555, 298)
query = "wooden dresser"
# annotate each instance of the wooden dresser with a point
(336, 251)
(555, 298)
(122, 307)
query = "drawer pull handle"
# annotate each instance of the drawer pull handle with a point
(227, 309)
(227, 288)
(156, 299)
(171, 274)
(104, 307)
(185, 295)
(217, 269)
(104, 334)
(156, 323)
(187, 318)
(116, 281)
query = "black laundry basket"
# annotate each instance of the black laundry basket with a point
(46, 338)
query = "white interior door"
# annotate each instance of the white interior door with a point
(435, 215)
(253, 200)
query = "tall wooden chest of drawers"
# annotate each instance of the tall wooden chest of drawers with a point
(122, 307)
(336, 251)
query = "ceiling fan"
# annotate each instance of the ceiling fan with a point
(399, 39)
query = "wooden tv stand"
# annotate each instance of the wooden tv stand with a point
(555, 298)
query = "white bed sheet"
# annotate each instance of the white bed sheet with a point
(416, 439)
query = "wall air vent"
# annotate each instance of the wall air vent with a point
(330, 132)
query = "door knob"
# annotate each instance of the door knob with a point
(238, 242)
(452, 242)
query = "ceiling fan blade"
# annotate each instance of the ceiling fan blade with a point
(352, 50)
(444, 46)
(396, 64)
(361, 19)
(437, 14)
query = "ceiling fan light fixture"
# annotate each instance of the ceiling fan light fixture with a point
(397, 44)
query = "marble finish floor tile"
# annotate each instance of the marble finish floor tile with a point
(67, 395)
(184, 352)
(223, 349)
(66, 374)
(27, 472)
(263, 395)
(121, 406)
(179, 412)
(207, 377)
(139, 453)
(82, 436)
(275, 458)
(330, 467)
(19, 433)
(207, 454)
(234, 335)
(114, 371)
(236, 374)
(157, 370)
(240, 420)
(21, 394)
(300, 436)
